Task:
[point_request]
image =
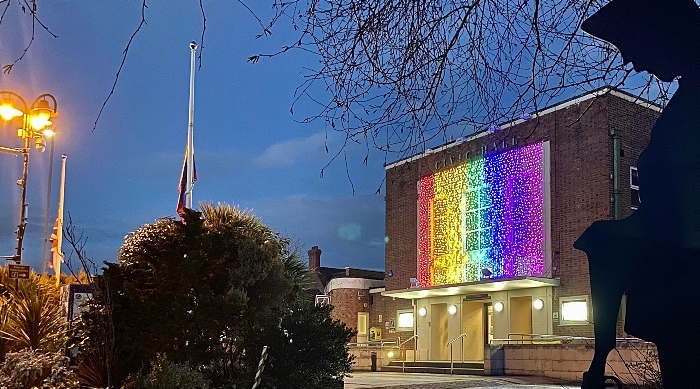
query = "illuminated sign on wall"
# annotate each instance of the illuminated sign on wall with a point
(484, 218)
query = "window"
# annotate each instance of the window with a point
(476, 229)
(574, 310)
(362, 323)
(635, 200)
(404, 318)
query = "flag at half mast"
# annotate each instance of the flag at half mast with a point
(189, 171)
(181, 202)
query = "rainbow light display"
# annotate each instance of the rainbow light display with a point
(485, 213)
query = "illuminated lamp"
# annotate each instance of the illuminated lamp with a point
(498, 307)
(538, 304)
(8, 110)
(452, 309)
(422, 311)
(41, 114)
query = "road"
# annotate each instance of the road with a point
(385, 380)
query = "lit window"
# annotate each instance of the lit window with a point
(635, 200)
(405, 320)
(574, 310)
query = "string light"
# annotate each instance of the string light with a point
(486, 213)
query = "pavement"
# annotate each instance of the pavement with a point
(391, 380)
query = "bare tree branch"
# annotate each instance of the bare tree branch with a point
(24, 4)
(403, 74)
(204, 28)
(126, 52)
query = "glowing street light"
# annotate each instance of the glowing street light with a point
(35, 127)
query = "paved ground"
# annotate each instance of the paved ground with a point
(386, 380)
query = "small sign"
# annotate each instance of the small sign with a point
(322, 300)
(555, 317)
(18, 272)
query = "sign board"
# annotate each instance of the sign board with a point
(18, 272)
(73, 297)
(322, 300)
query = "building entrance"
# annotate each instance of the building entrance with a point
(473, 327)
(521, 318)
(438, 332)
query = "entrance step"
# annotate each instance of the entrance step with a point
(436, 367)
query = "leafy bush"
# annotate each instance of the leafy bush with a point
(31, 368)
(307, 350)
(646, 369)
(167, 375)
(30, 314)
(189, 290)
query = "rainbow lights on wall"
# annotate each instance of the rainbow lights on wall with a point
(483, 217)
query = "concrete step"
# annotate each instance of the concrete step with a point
(439, 364)
(433, 370)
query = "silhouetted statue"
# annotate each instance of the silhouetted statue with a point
(654, 255)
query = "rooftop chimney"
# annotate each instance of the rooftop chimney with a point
(314, 258)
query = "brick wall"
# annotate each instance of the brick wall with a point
(631, 362)
(347, 303)
(387, 307)
(401, 215)
(581, 185)
(581, 165)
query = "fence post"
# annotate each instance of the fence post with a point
(261, 367)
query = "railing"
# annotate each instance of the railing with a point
(415, 346)
(452, 364)
(374, 343)
(530, 338)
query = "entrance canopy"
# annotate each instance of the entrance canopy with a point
(483, 286)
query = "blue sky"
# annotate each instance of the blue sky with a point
(250, 150)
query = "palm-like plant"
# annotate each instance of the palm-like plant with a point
(32, 315)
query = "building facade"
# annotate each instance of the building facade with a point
(481, 230)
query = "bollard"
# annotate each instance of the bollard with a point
(261, 367)
(373, 357)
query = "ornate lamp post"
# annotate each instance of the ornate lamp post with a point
(36, 121)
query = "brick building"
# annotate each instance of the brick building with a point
(481, 230)
(348, 290)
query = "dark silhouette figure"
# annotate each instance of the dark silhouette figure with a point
(654, 255)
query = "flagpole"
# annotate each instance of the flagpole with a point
(47, 237)
(58, 254)
(190, 132)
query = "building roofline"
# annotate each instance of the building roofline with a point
(547, 110)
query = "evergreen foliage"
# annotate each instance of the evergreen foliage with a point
(307, 349)
(167, 375)
(206, 291)
(30, 368)
(31, 314)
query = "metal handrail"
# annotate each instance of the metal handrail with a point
(452, 364)
(548, 337)
(415, 345)
(380, 343)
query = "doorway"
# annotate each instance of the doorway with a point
(521, 318)
(438, 332)
(473, 326)
(362, 326)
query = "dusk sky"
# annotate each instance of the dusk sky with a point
(249, 149)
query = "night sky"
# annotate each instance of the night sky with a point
(250, 150)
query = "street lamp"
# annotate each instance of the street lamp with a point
(36, 121)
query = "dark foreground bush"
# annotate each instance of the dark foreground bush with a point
(167, 375)
(31, 368)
